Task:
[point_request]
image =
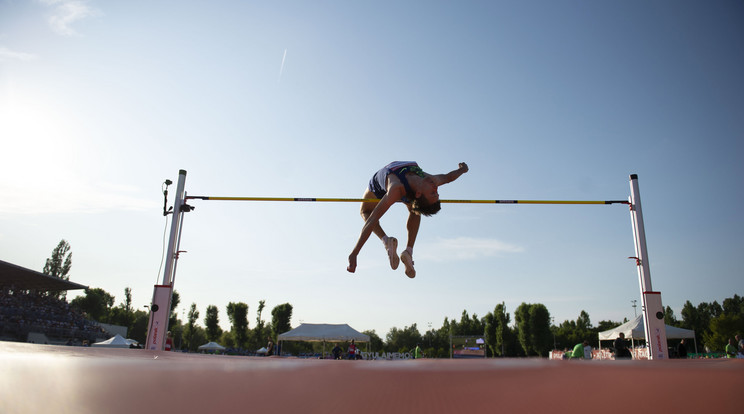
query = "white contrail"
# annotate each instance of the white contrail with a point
(281, 69)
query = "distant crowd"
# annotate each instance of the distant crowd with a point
(24, 312)
(620, 350)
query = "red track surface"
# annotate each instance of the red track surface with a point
(54, 379)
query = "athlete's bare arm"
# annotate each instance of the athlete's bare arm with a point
(441, 179)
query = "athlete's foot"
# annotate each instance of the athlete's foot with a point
(392, 250)
(408, 263)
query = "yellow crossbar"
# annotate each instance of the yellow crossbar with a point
(374, 200)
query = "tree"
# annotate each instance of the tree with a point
(583, 329)
(238, 315)
(497, 330)
(375, 342)
(212, 323)
(713, 309)
(541, 336)
(567, 334)
(570, 333)
(468, 325)
(177, 330)
(734, 306)
(59, 266)
(430, 342)
(607, 325)
(442, 339)
(96, 303)
(693, 319)
(436, 342)
(699, 318)
(583, 322)
(728, 323)
(522, 319)
(403, 340)
(258, 339)
(191, 330)
(669, 318)
(723, 328)
(198, 338)
(122, 314)
(138, 330)
(281, 316)
(228, 340)
(533, 328)
(127, 299)
(173, 318)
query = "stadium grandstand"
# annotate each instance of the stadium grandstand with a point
(29, 314)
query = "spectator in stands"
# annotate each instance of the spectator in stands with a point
(682, 350)
(621, 349)
(587, 350)
(23, 312)
(269, 347)
(417, 353)
(578, 351)
(731, 349)
(352, 350)
(336, 351)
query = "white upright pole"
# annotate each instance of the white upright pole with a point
(653, 311)
(161, 298)
(175, 228)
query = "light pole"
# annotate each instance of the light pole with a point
(634, 308)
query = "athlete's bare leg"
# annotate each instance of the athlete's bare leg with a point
(406, 256)
(391, 243)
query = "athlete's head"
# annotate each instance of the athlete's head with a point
(422, 206)
(426, 199)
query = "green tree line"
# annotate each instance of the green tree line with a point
(531, 333)
(98, 305)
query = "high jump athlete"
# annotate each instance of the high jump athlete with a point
(406, 182)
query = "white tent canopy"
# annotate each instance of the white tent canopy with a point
(117, 341)
(211, 346)
(322, 332)
(635, 329)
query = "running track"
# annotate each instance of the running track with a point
(56, 379)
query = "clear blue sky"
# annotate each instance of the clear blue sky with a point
(101, 101)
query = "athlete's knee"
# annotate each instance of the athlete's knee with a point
(366, 210)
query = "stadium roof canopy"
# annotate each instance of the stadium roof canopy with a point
(21, 278)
